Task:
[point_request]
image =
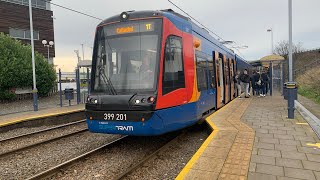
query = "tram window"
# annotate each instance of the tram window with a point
(227, 72)
(211, 72)
(173, 71)
(202, 76)
(232, 69)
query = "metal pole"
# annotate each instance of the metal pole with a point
(88, 80)
(48, 54)
(290, 90)
(60, 93)
(34, 91)
(290, 41)
(271, 41)
(78, 85)
(82, 52)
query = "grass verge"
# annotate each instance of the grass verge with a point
(310, 94)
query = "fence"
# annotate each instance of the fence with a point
(67, 80)
(302, 70)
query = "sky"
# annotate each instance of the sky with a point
(243, 21)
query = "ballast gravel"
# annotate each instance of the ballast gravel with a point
(25, 130)
(169, 163)
(114, 160)
(32, 139)
(39, 158)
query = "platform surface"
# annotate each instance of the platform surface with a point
(8, 119)
(253, 139)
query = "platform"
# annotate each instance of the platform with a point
(253, 139)
(10, 119)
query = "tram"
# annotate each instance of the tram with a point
(155, 72)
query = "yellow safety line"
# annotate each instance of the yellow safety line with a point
(202, 148)
(302, 123)
(314, 145)
(40, 116)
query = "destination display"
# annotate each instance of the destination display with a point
(126, 28)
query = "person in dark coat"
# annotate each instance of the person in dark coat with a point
(264, 79)
(237, 81)
(245, 80)
(253, 83)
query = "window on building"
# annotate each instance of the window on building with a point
(41, 4)
(23, 34)
(173, 72)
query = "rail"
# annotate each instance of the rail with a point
(152, 155)
(70, 162)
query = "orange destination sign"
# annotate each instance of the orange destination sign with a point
(124, 30)
(130, 27)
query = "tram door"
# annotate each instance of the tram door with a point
(221, 87)
(232, 85)
(235, 72)
(217, 73)
(226, 79)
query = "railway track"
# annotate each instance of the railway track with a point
(38, 133)
(41, 131)
(68, 164)
(153, 155)
(57, 168)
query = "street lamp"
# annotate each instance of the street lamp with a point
(48, 45)
(270, 30)
(34, 91)
(291, 86)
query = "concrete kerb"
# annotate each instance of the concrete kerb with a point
(199, 152)
(45, 119)
(313, 121)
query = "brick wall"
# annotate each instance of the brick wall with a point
(17, 16)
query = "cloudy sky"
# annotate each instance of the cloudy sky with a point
(243, 21)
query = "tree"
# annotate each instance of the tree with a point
(282, 48)
(16, 68)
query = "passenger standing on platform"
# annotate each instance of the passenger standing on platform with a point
(257, 85)
(245, 79)
(265, 79)
(236, 80)
(253, 84)
(267, 83)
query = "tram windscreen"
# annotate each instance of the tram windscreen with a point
(127, 56)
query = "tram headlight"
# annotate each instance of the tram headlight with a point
(124, 16)
(95, 101)
(151, 99)
(137, 101)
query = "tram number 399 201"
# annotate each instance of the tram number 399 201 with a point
(117, 117)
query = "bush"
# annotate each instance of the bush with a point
(309, 84)
(7, 95)
(16, 68)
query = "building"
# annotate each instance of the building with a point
(14, 20)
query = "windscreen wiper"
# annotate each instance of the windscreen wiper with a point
(108, 82)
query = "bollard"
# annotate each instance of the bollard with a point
(292, 95)
(60, 87)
